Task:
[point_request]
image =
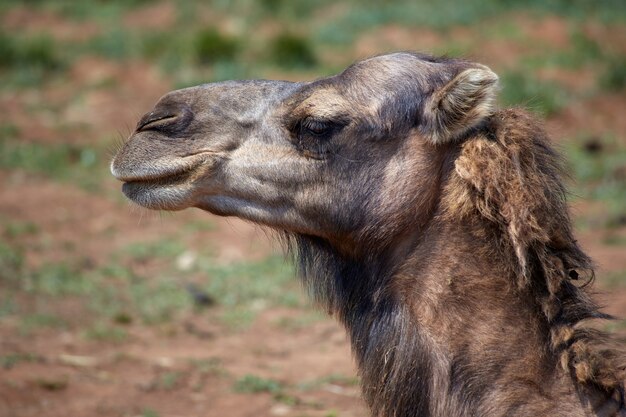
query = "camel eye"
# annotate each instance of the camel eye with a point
(316, 127)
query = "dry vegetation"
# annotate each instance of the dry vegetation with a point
(110, 311)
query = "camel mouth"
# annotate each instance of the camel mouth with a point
(162, 185)
(179, 176)
(161, 171)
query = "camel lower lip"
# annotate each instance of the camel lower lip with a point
(145, 188)
(158, 195)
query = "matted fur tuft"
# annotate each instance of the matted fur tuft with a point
(512, 178)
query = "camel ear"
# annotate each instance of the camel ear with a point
(461, 104)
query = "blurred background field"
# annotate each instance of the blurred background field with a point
(106, 310)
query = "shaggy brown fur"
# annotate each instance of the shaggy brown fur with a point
(433, 226)
(511, 177)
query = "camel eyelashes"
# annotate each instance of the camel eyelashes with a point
(315, 127)
(318, 127)
(313, 136)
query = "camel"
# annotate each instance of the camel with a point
(432, 224)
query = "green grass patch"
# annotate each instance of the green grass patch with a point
(121, 295)
(614, 240)
(103, 332)
(300, 321)
(115, 43)
(599, 167)
(31, 322)
(291, 51)
(190, 55)
(614, 76)
(211, 46)
(289, 10)
(67, 162)
(29, 52)
(334, 379)
(237, 317)
(8, 131)
(149, 412)
(169, 380)
(252, 384)
(124, 296)
(101, 11)
(346, 26)
(10, 360)
(252, 284)
(615, 279)
(186, 52)
(26, 61)
(208, 366)
(583, 51)
(114, 292)
(159, 302)
(174, 52)
(615, 325)
(273, 6)
(8, 306)
(11, 262)
(164, 248)
(521, 89)
(56, 279)
(17, 229)
(199, 225)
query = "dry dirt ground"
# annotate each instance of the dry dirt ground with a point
(195, 364)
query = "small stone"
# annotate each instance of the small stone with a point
(186, 261)
(77, 360)
(280, 410)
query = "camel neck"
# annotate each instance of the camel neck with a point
(443, 332)
(455, 329)
(459, 332)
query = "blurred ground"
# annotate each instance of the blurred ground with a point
(107, 310)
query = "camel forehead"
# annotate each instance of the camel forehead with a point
(394, 63)
(397, 69)
(324, 102)
(367, 85)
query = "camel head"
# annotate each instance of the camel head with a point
(334, 158)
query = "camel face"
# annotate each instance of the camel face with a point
(323, 158)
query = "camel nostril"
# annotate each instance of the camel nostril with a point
(166, 120)
(154, 121)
